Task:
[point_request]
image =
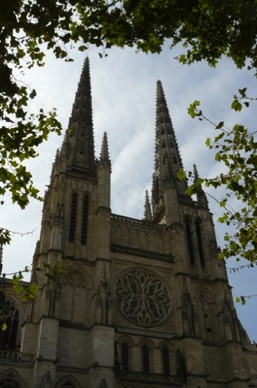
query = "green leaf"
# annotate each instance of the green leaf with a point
(193, 109)
(236, 105)
(4, 327)
(181, 174)
(242, 92)
(220, 125)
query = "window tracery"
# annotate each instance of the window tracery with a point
(142, 297)
(9, 383)
(11, 319)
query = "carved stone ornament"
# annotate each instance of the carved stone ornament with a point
(142, 297)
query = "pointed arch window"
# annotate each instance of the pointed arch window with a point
(189, 241)
(9, 383)
(165, 360)
(199, 241)
(8, 337)
(145, 359)
(125, 356)
(84, 221)
(73, 216)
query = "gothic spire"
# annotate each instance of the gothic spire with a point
(148, 213)
(200, 195)
(79, 142)
(104, 155)
(167, 158)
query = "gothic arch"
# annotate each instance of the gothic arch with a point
(75, 295)
(146, 348)
(8, 337)
(10, 376)
(67, 382)
(168, 344)
(74, 277)
(21, 307)
(166, 355)
(146, 341)
(127, 339)
(47, 381)
(77, 277)
(125, 352)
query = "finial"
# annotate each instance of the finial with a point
(104, 155)
(196, 175)
(200, 195)
(148, 213)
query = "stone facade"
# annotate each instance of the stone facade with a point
(137, 303)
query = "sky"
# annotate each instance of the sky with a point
(123, 95)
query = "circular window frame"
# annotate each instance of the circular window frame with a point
(134, 279)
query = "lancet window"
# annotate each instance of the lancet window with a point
(189, 241)
(145, 359)
(165, 360)
(11, 320)
(125, 356)
(9, 383)
(84, 221)
(199, 241)
(73, 216)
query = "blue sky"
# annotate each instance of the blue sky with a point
(123, 91)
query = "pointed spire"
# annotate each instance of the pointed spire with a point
(79, 139)
(104, 155)
(148, 213)
(200, 195)
(167, 158)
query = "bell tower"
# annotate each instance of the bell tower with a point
(75, 237)
(125, 302)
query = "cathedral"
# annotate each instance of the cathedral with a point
(123, 302)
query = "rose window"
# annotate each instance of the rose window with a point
(142, 297)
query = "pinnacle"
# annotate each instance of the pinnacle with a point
(148, 213)
(104, 156)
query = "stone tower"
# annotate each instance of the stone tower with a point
(124, 302)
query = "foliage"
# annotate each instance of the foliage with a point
(52, 272)
(237, 150)
(29, 28)
(25, 292)
(207, 29)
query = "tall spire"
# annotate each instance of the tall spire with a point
(167, 158)
(79, 139)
